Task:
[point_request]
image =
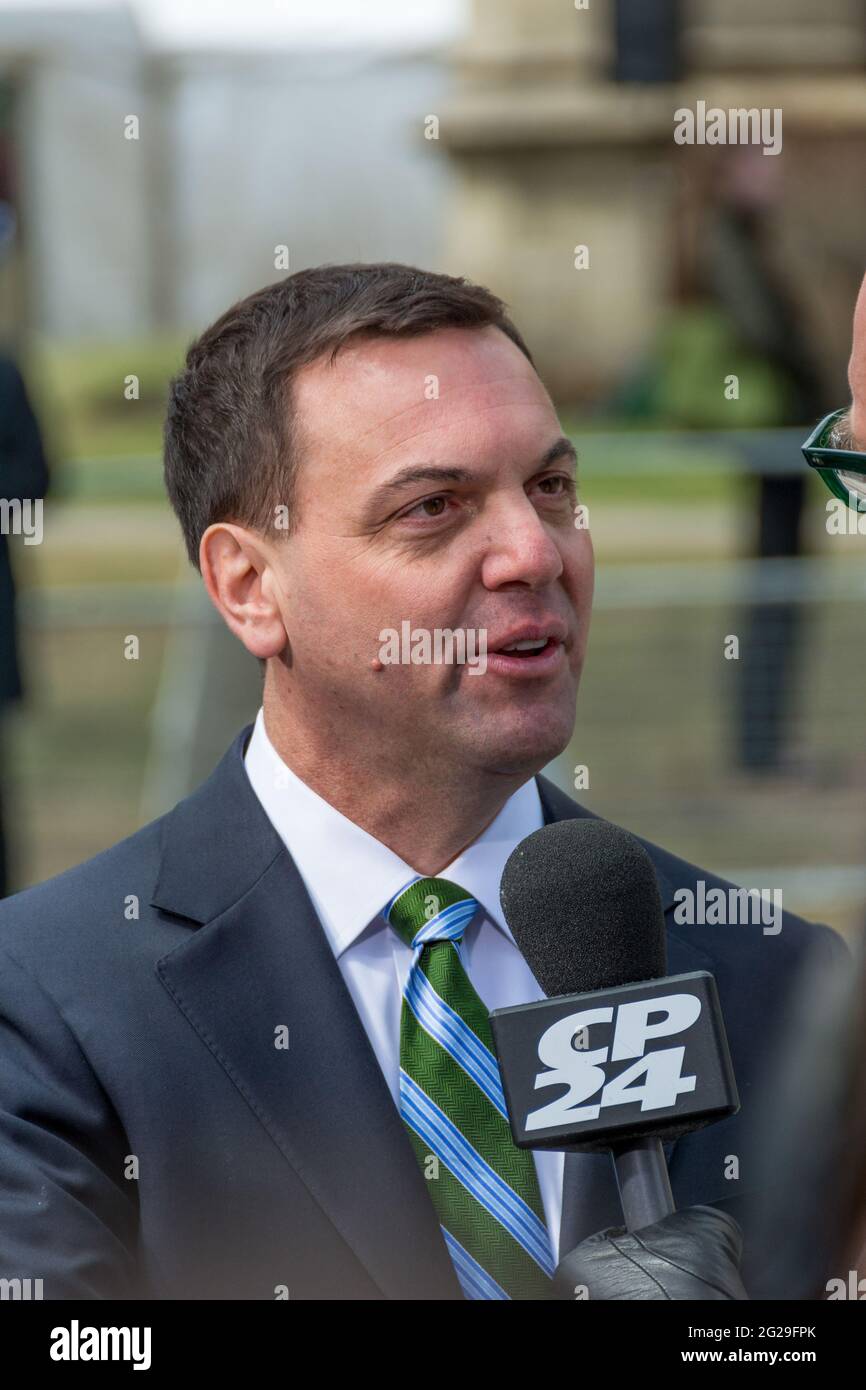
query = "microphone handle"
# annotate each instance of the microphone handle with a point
(643, 1181)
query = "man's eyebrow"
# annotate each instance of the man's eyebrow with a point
(443, 473)
(560, 448)
(423, 473)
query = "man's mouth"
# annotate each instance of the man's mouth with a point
(528, 639)
(529, 648)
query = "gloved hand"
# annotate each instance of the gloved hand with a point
(689, 1255)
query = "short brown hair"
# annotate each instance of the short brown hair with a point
(231, 442)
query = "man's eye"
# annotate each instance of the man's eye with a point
(430, 506)
(555, 485)
(563, 486)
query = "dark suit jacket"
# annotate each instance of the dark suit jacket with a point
(23, 474)
(153, 1140)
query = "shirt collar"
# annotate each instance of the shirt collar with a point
(348, 873)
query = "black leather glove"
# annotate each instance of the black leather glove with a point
(689, 1255)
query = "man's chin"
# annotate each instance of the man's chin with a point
(523, 749)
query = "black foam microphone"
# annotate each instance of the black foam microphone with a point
(620, 1056)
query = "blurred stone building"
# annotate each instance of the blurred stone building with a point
(552, 129)
(562, 135)
(235, 153)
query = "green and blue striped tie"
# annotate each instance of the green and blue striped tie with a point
(483, 1187)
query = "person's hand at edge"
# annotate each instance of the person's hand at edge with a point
(691, 1255)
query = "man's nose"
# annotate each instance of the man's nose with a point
(520, 550)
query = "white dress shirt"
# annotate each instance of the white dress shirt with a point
(351, 876)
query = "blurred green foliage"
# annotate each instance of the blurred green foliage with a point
(79, 389)
(681, 383)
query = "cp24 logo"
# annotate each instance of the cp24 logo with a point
(582, 1070)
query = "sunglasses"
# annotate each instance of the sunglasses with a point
(843, 470)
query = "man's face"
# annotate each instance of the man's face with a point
(434, 489)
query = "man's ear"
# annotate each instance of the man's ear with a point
(857, 371)
(237, 573)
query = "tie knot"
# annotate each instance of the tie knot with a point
(430, 909)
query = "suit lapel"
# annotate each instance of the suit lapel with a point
(260, 960)
(256, 959)
(590, 1197)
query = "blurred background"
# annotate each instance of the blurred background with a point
(689, 307)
